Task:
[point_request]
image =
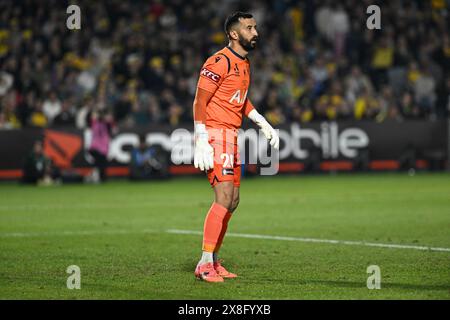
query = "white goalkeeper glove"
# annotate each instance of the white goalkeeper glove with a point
(266, 128)
(203, 152)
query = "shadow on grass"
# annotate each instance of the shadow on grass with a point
(353, 284)
(189, 267)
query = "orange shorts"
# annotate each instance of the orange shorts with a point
(227, 164)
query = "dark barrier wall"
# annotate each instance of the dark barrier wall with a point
(328, 142)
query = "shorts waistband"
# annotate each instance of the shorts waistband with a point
(223, 134)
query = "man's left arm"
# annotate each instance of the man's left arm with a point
(268, 131)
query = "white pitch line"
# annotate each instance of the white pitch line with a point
(345, 242)
(237, 235)
(72, 233)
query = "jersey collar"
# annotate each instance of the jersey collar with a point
(235, 53)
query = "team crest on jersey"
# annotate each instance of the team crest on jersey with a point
(211, 75)
(236, 69)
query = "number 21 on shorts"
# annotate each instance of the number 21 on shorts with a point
(227, 160)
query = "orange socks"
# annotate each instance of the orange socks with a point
(213, 231)
(223, 231)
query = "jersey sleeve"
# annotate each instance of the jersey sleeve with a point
(213, 73)
(202, 98)
(248, 107)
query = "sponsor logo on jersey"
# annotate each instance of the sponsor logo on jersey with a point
(227, 172)
(211, 75)
(239, 97)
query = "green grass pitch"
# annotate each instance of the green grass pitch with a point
(117, 234)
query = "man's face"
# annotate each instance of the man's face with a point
(247, 34)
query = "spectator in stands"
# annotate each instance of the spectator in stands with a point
(83, 112)
(319, 71)
(340, 26)
(51, 107)
(38, 118)
(175, 114)
(6, 82)
(424, 89)
(365, 106)
(25, 107)
(409, 108)
(382, 60)
(302, 115)
(66, 116)
(4, 123)
(10, 114)
(357, 83)
(154, 111)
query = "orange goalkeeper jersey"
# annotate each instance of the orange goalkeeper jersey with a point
(227, 75)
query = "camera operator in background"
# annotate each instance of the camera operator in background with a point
(102, 127)
(38, 168)
(148, 162)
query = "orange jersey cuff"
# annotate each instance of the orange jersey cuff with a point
(248, 107)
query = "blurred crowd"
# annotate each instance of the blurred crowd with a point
(139, 61)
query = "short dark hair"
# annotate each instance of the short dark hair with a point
(233, 19)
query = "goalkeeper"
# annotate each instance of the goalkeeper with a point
(220, 102)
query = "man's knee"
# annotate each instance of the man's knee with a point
(224, 195)
(234, 204)
(225, 200)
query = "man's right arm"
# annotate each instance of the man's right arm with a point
(211, 76)
(203, 153)
(201, 100)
